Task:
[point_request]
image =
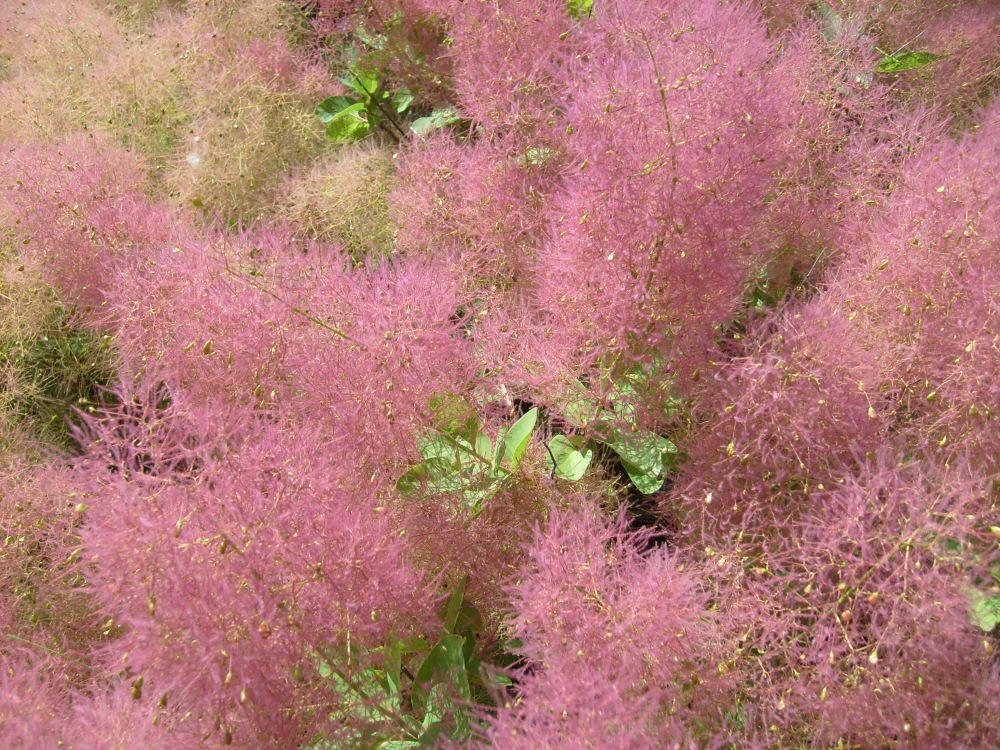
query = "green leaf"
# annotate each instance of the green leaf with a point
(401, 100)
(454, 606)
(645, 456)
(433, 475)
(357, 691)
(493, 678)
(572, 457)
(333, 106)
(454, 416)
(444, 665)
(373, 41)
(985, 611)
(469, 620)
(580, 8)
(906, 61)
(398, 745)
(473, 499)
(516, 440)
(432, 444)
(439, 118)
(580, 412)
(393, 665)
(537, 156)
(364, 83)
(498, 452)
(484, 447)
(348, 124)
(831, 24)
(438, 707)
(413, 644)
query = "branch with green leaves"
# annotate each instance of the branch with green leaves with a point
(460, 458)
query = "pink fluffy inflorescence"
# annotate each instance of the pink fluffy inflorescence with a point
(79, 209)
(614, 640)
(234, 551)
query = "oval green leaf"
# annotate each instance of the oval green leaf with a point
(571, 456)
(906, 61)
(516, 440)
(333, 106)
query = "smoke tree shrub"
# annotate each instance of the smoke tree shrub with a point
(51, 630)
(614, 641)
(76, 68)
(343, 199)
(58, 61)
(29, 703)
(534, 41)
(483, 204)
(924, 291)
(45, 600)
(251, 123)
(233, 552)
(785, 420)
(79, 210)
(661, 222)
(679, 158)
(848, 375)
(191, 309)
(965, 35)
(711, 118)
(852, 622)
(252, 319)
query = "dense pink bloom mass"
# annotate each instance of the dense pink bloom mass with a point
(662, 413)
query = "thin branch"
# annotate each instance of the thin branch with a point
(46, 648)
(297, 310)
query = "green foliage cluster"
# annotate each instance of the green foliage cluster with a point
(460, 458)
(646, 456)
(349, 117)
(834, 27)
(374, 106)
(420, 692)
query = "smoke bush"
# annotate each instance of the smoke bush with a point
(401, 345)
(923, 294)
(852, 623)
(790, 419)
(58, 52)
(673, 130)
(823, 487)
(192, 309)
(233, 552)
(343, 200)
(483, 206)
(252, 120)
(261, 319)
(30, 706)
(616, 641)
(79, 210)
(677, 117)
(41, 582)
(746, 242)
